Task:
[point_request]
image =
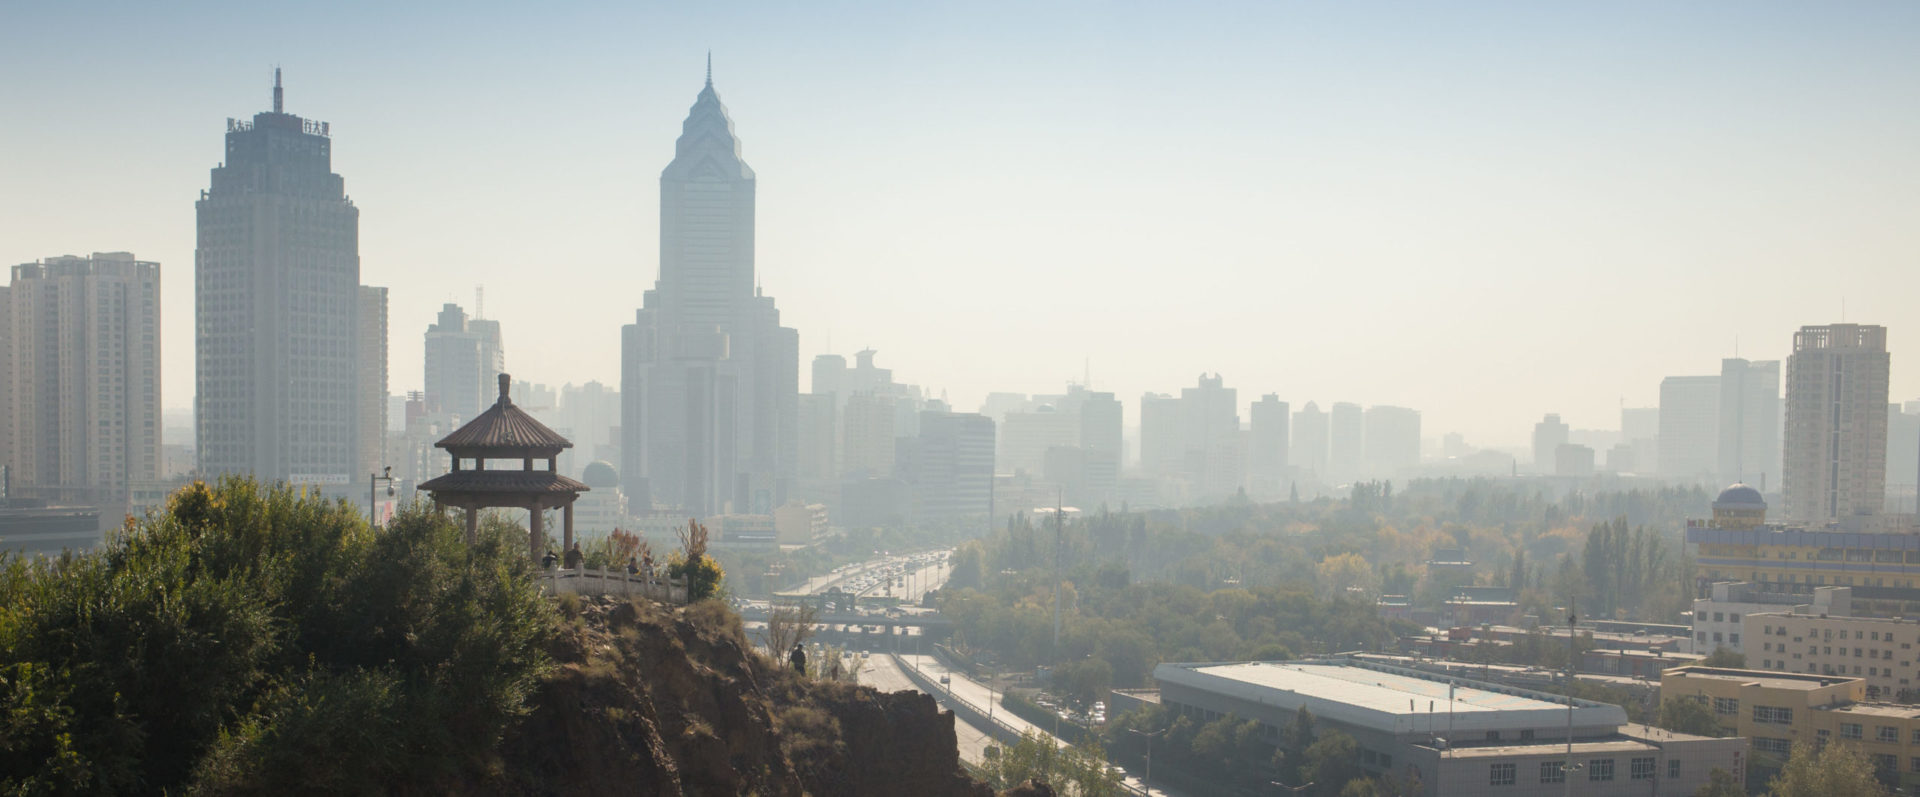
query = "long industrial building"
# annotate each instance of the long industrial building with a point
(1455, 736)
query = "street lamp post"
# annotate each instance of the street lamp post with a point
(385, 476)
(1146, 778)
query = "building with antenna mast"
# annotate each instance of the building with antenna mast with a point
(282, 326)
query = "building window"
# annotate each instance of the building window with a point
(1553, 772)
(1502, 775)
(1493, 736)
(1726, 705)
(1889, 734)
(1779, 747)
(1641, 769)
(1849, 730)
(1774, 715)
(1913, 764)
(1600, 769)
(1673, 769)
(1886, 763)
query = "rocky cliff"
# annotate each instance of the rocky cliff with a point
(646, 700)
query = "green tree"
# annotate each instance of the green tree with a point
(1332, 761)
(1685, 714)
(1723, 656)
(1836, 770)
(251, 639)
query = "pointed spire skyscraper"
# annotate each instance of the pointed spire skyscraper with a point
(710, 380)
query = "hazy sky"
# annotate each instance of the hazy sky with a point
(1482, 211)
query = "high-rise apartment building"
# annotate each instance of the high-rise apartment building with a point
(1267, 445)
(1309, 451)
(371, 366)
(1749, 418)
(464, 359)
(84, 347)
(1215, 459)
(1346, 441)
(1548, 436)
(278, 322)
(867, 443)
(1690, 429)
(1027, 436)
(1836, 458)
(1392, 441)
(953, 465)
(1162, 443)
(710, 380)
(819, 441)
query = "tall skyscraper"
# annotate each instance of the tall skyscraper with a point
(1749, 422)
(829, 376)
(1836, 455)
(1346, 441)
(710, 380)
(1548, 436)
(1162, 443)
(370, 361)
(84, 343)
(1310, 440)
(464, 359)
(1267, 446)
(1210, 424)
(1393, 441)
(1100, 417)
(1690, 429)
(278, 324)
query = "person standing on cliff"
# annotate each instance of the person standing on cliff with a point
(799, 659)
(575, 558)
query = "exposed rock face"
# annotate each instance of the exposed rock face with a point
(649, 701)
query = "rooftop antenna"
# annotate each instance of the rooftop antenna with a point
(709, 69)
(279, 96)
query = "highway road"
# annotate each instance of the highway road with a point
(881, 673)
(979, 695)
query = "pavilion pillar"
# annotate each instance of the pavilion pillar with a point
(536, 534)
(567, 521)
(473, 525)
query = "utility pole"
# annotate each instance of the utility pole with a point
(1567, 769)
(1059, 527)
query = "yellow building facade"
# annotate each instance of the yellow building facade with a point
(1774, 710)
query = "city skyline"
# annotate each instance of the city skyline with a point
(1750, 193)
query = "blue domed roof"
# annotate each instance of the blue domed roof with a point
(1739, 496)
(601, 476)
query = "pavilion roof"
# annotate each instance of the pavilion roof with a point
(506, 431)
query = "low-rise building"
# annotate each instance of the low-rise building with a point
(1717, 619)
(800, 524)
(1777, 709)
(1456, 736)
(1878, 650)
(727, 530)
